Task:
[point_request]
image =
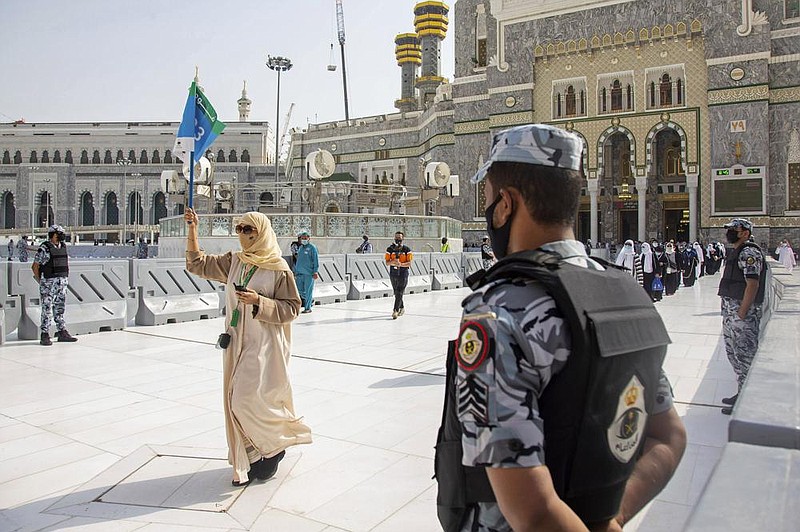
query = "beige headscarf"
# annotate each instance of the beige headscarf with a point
(264, 252)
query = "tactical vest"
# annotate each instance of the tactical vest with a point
(58, 265)
(594, 410)
(733, 281)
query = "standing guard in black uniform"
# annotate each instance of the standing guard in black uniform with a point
(741, 290)
(557, 415)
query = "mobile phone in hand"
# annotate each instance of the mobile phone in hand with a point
(239, 288)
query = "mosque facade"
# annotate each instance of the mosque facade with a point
(688, 110)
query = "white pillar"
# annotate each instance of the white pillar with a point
(691, 186)
(592, 185)
(641, 193)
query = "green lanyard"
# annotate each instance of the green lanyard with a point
(243, 280)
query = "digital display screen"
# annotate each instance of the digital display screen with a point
(739, 195)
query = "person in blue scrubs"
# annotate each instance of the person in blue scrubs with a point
(306, 270)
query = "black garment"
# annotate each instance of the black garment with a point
(58, 265)
(689, 269)
(584, 427)
(733, 281)
(671, 275)
(399, 283)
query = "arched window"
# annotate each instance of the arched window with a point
(679, 90)
(120, 155)
(629, 97)
(616, 95)
(266, 199)
(245, 156)
(135, 211)
(232, 157)
(159, 207)
(86, 215)
(45, 156)
(167, 157)
(107, 159)
(570, 101)
(652, 94)
(221, 156)
(665, 91)
(9, 211)
(603, 99)
(56, 156)
(17, 157)
(156, 157)
(112, 209)
(33, 158)
(68, 157)
(558, 105)
(96, 157)
(6, 157)
(132, 156)
(84, 157)
(143, 157)
(583, 102)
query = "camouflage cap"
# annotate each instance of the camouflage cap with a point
(534, 144)
(55, 228)
(744, 223)
(303, 232)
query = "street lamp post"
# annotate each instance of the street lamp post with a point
(136, 199)
(278, 64)
(33, 198)
(124, 163)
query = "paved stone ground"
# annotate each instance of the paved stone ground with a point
(124, 430)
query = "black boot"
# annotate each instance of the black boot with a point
(730, 400)
(45, 339)
(267, 467)
(64, 336)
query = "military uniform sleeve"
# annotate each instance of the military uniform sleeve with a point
(505, 361)
(663, 395)
(214, 267)
(751, 261)
(42, 255)
(284, 307)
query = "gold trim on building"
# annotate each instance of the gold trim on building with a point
(784, 95)
(752, 93)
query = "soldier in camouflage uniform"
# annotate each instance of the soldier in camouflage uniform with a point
(513, 340)
(741, 290)
(51, 269)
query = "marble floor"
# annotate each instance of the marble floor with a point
(124, 430)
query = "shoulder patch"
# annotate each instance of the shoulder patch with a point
(473, 345)
(627, 430)
(751, 260)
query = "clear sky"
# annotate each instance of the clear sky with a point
(126, 60)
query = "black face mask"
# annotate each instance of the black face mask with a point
(500, 236)
(732, 236)
(398, 241)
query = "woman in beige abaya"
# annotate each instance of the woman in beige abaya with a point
(260, 422)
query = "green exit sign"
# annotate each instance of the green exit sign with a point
(754, 171)
(723, 172)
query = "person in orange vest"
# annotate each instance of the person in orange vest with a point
(398, 258)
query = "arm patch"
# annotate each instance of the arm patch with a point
(473, 345)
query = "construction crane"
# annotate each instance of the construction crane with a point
(340, 27)
(285, 130)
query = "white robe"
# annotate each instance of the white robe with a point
(259, 411)
(786, 257)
